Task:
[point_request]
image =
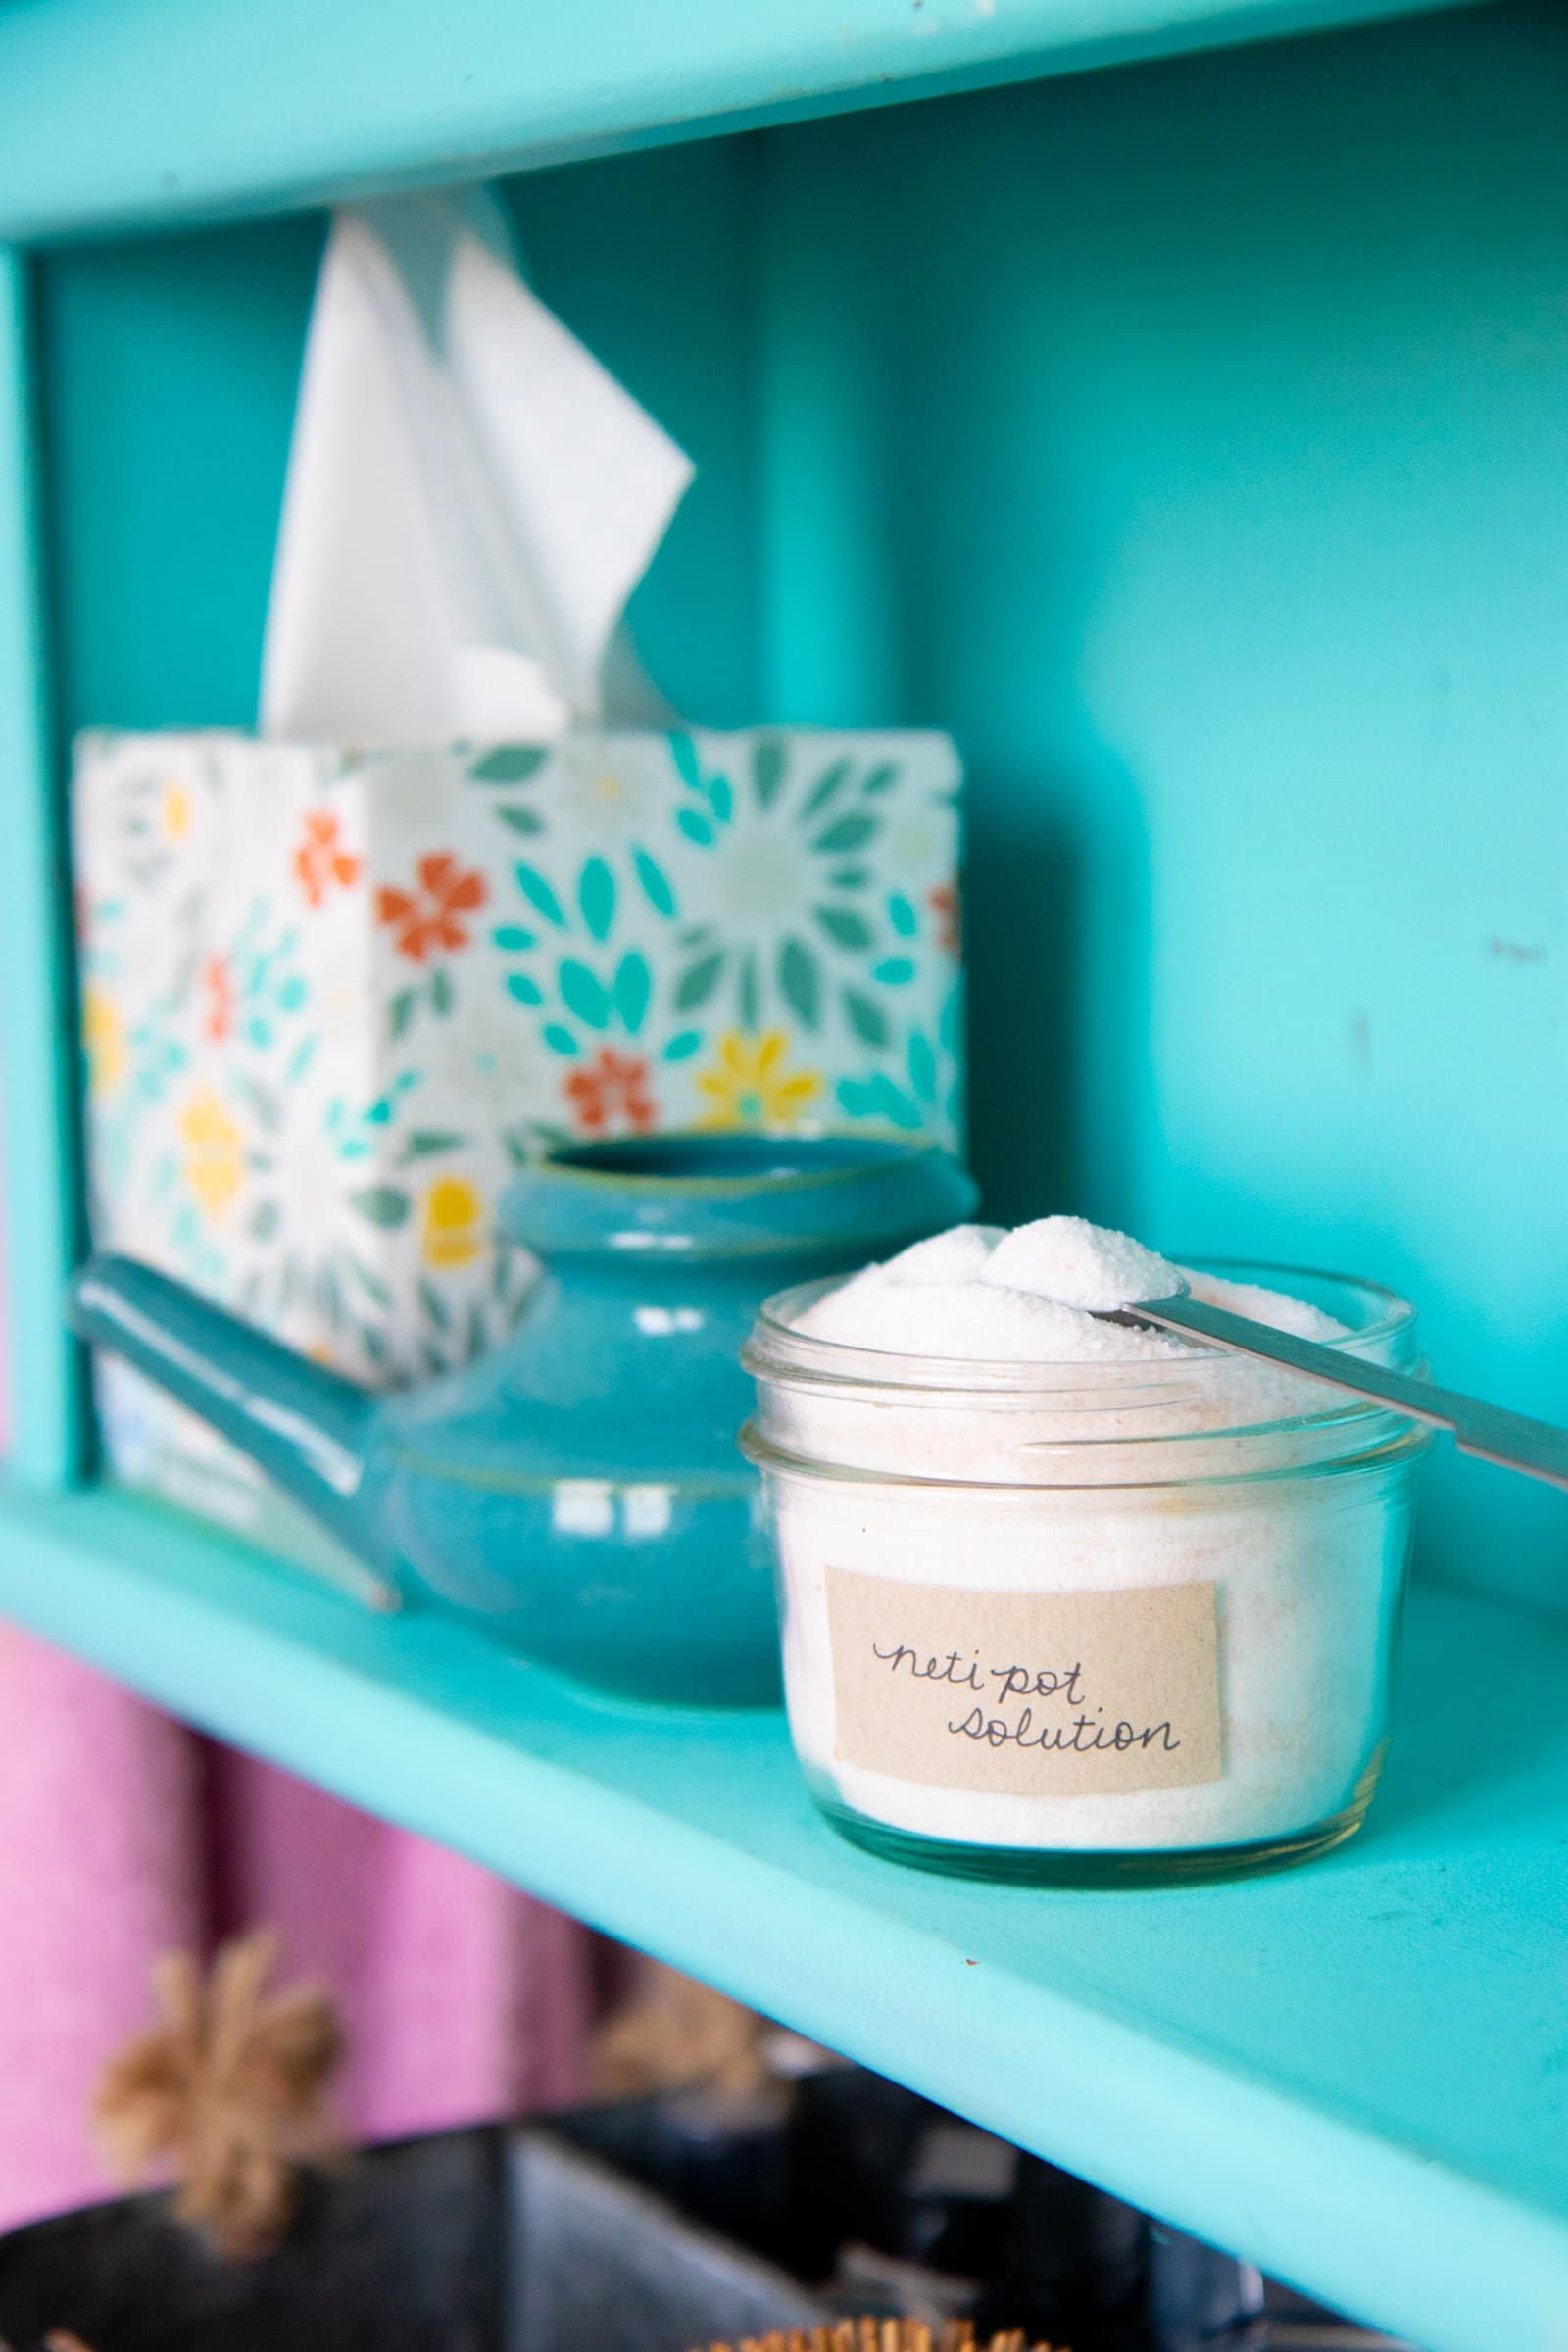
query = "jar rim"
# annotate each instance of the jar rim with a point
(780, 1353)
(692, 1193)
(699, 1161)
(1388, 1441)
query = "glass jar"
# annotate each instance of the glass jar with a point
(1088, 1623)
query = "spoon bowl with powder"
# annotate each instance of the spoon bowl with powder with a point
(1490, 1432)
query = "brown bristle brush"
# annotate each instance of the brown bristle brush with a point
(883, 2336)
(227, 2093)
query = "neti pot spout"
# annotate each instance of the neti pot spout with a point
(308, 1429)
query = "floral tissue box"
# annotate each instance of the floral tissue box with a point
(331, 997)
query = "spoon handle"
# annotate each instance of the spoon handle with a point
(1512, 1439)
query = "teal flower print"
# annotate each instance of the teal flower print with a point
(576, 962)
(268, 986)
(921, 1087)
(801, 930)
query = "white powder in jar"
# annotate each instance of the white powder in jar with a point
(1099, 1588)
(1031, 1295)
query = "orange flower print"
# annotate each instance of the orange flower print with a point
(611, 1094)
(217, 990)
(426, 920)
(943, 902)
(321, 859)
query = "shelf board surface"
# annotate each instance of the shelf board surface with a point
(117, 113)
(1355, 2073)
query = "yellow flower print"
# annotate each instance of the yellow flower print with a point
(453, 1226)
(751, 1084)
(214, 1153)
(103, 1035)
(605, 805)
(175, 810)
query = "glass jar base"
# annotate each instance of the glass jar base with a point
(1032, 1866)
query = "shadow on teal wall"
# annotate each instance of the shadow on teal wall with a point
(1191, 440)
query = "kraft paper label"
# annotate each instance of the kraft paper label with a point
(1026, 1694)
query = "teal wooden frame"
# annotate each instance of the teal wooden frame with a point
(37, 1019)
(190, 112)
(1298, 2031)
(263, 140)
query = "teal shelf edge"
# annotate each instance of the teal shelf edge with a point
(127, 113)
(1356, 2075)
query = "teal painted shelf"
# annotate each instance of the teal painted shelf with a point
(113, 115)
(1357, 2075)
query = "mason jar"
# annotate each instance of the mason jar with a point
(1093, 1621)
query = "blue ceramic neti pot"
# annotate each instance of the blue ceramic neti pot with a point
(578, 1488)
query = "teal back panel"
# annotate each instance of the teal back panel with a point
(169, 368)
(1208, 435)
(1192, 441)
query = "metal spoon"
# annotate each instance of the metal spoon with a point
(1511, 1440)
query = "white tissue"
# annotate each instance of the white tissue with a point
(471, 499)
